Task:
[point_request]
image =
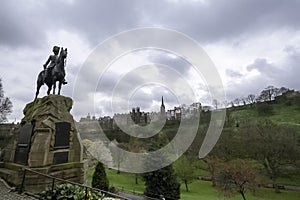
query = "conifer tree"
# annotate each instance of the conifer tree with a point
(162, 182)
(100, 180)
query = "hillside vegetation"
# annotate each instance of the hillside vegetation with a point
(259, 147)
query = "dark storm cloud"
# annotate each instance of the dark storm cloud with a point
(222, 19)
(20, 24)
(97, 20)
(24, 23)
(216, 20)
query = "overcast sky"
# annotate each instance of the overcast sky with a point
(253, 44)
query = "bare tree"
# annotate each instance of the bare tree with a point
(5, 104)
(273, 145)
(243, 100)
(251, 99)
(268, 94)
(237, 176)
(216, 103)
(237, 101)
(185, 169)
(213, 163)
(283, 90)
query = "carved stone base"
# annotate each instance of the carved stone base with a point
(46, 141)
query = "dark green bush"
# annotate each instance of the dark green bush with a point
(100, 180)
(264, 109)
(288, 103)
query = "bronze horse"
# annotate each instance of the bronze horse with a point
(53, 75)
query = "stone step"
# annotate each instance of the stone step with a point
(13, 166)
(11, 176)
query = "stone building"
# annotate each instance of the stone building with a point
(136, 116)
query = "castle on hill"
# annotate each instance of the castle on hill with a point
(136, 116)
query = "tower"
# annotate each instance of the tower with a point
(162, 107)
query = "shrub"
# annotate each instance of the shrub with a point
(264, 109)
(69, 192)
(100, 180)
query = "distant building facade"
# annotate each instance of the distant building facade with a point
(136, 116)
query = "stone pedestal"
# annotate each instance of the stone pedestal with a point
(46, 141)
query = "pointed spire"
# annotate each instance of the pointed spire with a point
(162, 102)
(162, 107)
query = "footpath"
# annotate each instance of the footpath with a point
(8, 193)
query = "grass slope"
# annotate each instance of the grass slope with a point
(282, 115)
(199, 190)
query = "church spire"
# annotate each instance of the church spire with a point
(162, 102)
(162, 107)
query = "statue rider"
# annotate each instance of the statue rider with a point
(53, 59)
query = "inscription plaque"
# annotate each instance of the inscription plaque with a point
(62, 135)
(23, 145)
(60, 157)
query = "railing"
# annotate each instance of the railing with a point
(55, 180)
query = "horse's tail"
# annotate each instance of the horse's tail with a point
(39, 83)
(40, 78)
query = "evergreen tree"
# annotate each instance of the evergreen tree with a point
(162, 181)
(100, 180)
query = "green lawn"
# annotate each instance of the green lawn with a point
(199, 190)
(202, 190)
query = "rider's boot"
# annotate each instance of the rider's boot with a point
(64, 82)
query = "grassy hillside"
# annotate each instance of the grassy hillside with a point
(282, 114)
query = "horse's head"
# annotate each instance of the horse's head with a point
(63, 53)
(61, 60)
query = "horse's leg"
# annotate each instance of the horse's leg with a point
(59, 87)
(37, 90)
(54, 85)
(49, 89)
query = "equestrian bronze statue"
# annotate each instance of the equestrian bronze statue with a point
(54, 70)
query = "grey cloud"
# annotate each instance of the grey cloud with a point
(18, 27)
(26, 24)
(222, 19)
(95, 20)
(179, 64)
(107, 83)
(284, 74)
(291, 70)
(268, 70)
(260, 64)
(233, 74)
(145, 100)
